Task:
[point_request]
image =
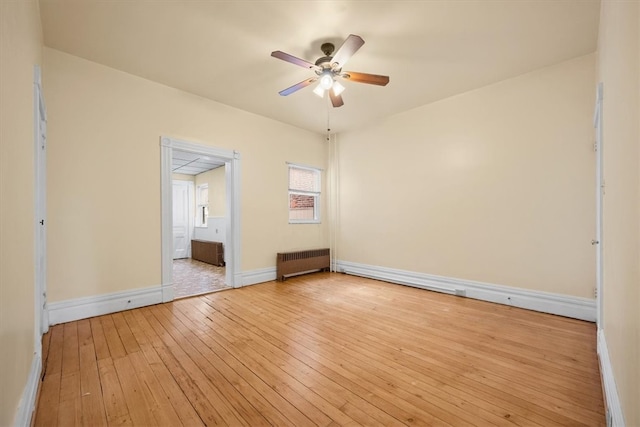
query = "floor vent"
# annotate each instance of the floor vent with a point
(300, 262)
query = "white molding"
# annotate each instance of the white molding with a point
(166, 203)
(27, 404)
(40, 209)
(599, 237)
(233, 212)
(168, 292)
(259, 275)
(83, 308)
(563, 305)
(614, 414)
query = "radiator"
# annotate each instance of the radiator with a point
(292, 263)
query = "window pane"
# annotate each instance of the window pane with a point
(303, 179)
(302, 207)
(204, 195)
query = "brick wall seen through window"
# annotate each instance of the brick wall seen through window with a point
(304, 194)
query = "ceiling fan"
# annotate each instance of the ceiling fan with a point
(329, 67)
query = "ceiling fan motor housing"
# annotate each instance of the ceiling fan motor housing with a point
(327, 48)
(325, 61)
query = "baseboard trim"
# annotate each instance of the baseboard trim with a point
(614, 414)
(27, 404)
(260, 275)
(562, 305)
(83, 308)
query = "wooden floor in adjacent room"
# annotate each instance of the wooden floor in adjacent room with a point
(322, 349)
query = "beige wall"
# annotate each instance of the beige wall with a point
(104, 175)
(217, 190)
(494, 185)
(183, 177)
(20, 50)
(619, 70)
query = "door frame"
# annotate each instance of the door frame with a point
(598, 146)
(190, 209)
(231, 159)
(41, 325)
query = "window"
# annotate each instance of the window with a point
(304, 195)
(202, 205)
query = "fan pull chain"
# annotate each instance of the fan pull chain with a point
(328, 125)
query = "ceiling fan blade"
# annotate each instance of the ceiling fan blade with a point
(348, 48)
(372, 79)
(336, 100)
(292, 59)
(297, 86)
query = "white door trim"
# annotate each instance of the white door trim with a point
(40, 255)
(597, 123)
(232, 172)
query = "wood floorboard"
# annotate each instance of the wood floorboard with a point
(518, 372)
(124, 332)
(99, 339)
(320, 385)
(49, 402)
(114, 343)
(322, 400)
(187, 377)
(458, 332)
(374, 371)
(338, 373)
(322, 350)
(268, 351)
(183, 408)
(70, 350)
(115, 405)
(286, 385)
(364, 361)
(221, 396)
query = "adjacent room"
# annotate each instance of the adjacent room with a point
(466, 175)
(199, 224)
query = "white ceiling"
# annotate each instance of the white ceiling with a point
(192, 164)
(221, 49)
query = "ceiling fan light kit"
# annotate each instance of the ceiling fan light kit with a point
(328, 68)
(326, 81)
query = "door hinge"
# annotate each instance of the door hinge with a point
(595, 145)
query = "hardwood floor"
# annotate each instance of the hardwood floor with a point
(322, 349)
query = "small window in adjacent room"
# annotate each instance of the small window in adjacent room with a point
(202, 205)
(304, 195)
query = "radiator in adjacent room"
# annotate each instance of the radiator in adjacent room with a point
(293, 263)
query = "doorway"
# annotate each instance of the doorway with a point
(229, 162)
(199, 224)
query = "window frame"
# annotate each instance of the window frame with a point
(202, 208)
(315, 194)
